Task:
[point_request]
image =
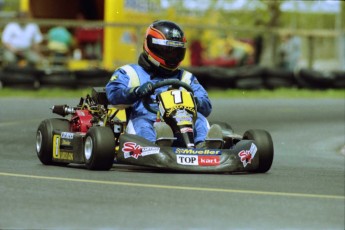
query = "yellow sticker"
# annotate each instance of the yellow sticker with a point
(57, 153)
(66, 156)
(179, 98)
(66, 142)
(56, 146)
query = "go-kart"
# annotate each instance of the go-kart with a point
(95, 136)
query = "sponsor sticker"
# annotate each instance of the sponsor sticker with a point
(67, 135)
(66, 142)
(246, 156)
(183, 117)
(209, 160)
(179, 107)
(56, 146)
(187, 160)
(197, 151)
(161, 108)
(131, 149)
(176, 33)
(198, 160)
(66, 155)
(190, 145)
(175, 44)
(57, 152)
(186, 130)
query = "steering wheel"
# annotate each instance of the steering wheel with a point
(173, 82)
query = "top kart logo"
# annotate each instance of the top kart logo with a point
(246, 156)
(131, 149)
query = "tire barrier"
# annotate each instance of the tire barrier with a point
(250, 77)
(29, 78)
(274, 78)
(320, 80)
(20, 77)
(245, 77)
(94, 77)
(58, 78)
(257, 77)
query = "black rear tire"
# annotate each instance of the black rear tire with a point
(44, 139)
(99, 149)
(264, 143)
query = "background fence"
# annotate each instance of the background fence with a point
(322, 40)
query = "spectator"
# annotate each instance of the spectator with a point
(89, 41)
(289, 52)
(197, 49)
(238, 51)
(258, 43)
(21, 41)
(258, 47)
(60, 41)
(196, 53)
(295, 55)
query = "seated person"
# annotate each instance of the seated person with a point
(21, 41)
(60, 41)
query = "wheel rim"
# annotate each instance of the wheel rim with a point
(88, 148)
(38, 141)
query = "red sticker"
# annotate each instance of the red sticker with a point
(209, 160)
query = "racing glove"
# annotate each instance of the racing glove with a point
(143, 90)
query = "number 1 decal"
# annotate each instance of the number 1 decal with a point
(177, 96)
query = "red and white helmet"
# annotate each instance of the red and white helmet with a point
(165, 44)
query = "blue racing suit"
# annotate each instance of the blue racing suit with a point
(119, 92)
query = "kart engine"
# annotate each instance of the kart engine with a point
(87, 114)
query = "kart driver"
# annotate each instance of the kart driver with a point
(163, 50)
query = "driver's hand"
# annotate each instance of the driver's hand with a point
(144, 90)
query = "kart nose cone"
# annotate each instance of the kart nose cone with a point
(88, 148)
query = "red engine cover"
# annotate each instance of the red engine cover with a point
(81, 121)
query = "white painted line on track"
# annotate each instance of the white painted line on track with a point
(157, 186)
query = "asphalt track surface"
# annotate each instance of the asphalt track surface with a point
(303, 190)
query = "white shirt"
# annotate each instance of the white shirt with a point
(21, 37)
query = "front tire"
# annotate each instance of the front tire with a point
(264, 142)
(44, 139)
(99, 148)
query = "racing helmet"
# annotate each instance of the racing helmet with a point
(165, 44)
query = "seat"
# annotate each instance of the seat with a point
(165, 136)
(214, 138)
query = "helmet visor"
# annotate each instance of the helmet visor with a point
(172, 52)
